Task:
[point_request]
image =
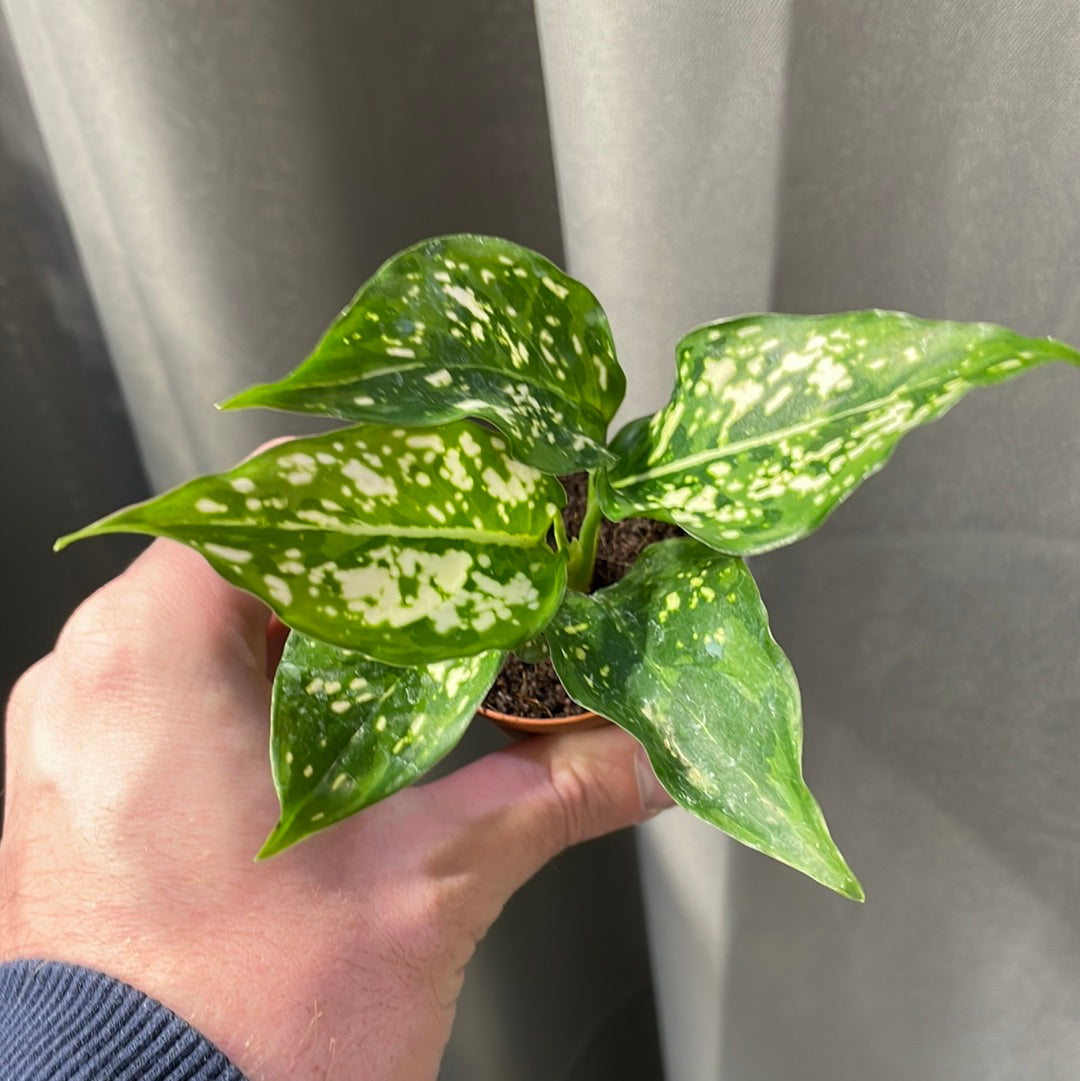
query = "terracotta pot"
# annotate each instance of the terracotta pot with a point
(543, 725)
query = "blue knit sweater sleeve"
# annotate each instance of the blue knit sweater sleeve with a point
(60, 1022)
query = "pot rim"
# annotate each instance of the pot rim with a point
(543, 725)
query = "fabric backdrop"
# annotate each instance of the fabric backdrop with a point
(232, 171)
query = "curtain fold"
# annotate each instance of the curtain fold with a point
(232, 172)
(715, 158)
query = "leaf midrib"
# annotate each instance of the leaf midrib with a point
(374, 707)
(707, 731)
(336, 765)
(658, 670)
(477, 536)
(481, 538)
(772, 436)
(359, 379)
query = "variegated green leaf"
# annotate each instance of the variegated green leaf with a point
(464, 326)
(776, 418)
(680, 655)
(409, 545)
(347, 731)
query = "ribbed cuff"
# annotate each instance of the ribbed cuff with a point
(60, 1022)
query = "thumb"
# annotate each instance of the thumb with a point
(498, 820)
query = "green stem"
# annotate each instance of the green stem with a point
(561, 543)
(583, 550)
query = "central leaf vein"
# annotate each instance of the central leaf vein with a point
(770, 437)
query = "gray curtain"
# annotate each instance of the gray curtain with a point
(817, 156)
(232, 171)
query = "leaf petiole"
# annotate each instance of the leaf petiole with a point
(557, 524)
(583, 549)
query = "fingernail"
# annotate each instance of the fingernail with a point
(653, 797)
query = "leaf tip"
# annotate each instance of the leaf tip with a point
(276, 842)
(840, 878)
(243, 400)
(851, 888)
(70, 538)
(1066, 351)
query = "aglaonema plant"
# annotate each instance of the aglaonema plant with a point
(411, 552)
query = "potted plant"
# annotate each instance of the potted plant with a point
(414, 552)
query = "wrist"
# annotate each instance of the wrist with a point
(54, 1014)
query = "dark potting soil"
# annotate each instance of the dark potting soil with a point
(530, 690)
(534, 690)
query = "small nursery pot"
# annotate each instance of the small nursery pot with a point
(543, 725)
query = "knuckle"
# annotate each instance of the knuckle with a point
(90, 624)
(24, 695)
(95, 645)
(574, 798)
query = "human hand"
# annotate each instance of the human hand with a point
(137, 792)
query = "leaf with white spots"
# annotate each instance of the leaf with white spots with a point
(679, 654)
(775, 419)
(468, 326)
(409, 545)
(347, 731)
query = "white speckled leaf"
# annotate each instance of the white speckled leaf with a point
(409, 545)
(775, 419)
(462, 326)
(680, 655)
(347, 731)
